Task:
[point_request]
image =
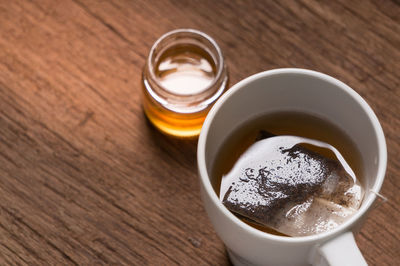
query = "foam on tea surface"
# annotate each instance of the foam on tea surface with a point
(284, 183)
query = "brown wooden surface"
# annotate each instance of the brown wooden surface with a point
(84, 178)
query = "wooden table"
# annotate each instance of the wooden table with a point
(85, 179)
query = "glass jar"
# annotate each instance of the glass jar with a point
(184, 75)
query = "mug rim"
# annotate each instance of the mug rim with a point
(382, 154)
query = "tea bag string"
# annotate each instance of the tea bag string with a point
(383, 199)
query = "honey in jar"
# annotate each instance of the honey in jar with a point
(184, 75)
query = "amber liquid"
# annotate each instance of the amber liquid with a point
(184, 71)
(283, 123)
(183, 126)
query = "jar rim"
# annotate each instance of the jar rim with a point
(157, 90)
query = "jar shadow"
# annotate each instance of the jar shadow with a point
(183, 151)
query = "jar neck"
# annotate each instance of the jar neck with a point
(190, 102)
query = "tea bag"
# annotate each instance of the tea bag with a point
(281, 183)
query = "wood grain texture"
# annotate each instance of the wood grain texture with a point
(85, 179)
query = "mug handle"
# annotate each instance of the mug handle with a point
(340, 251)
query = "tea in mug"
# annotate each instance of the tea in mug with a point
(290, 174)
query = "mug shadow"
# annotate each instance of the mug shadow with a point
(184, 152)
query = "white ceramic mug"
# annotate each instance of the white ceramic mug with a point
(292, 90)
